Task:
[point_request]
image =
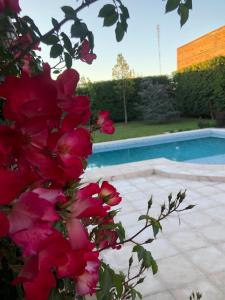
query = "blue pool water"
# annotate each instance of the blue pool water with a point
(189, 150)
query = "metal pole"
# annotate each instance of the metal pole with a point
(159, 53)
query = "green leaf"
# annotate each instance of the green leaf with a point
(110, 20)
(156, 226)
(123, 22)
(50, 40)
(119, 32)
(130, 261)
(79, 30)
(149, 241)
(183, 11)
(140, 251)
(125, 11)
(67, 42)
(147, 259)
(56, 72)
(105, 282)
(32, 24)
(189, 207)
(118, 283)
(188, 3)
(56, 50)
(172, 5)
(69, 12)
(139, 295)
(106, 11)
(154, 267)
(55, 23)
(140, 280)
(120, 231)
(144, 217)
(68, 60)
(150, 203)
(133, 294)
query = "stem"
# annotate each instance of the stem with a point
(41, 38)
(160, 218)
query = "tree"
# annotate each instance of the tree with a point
(122, 73)
(156, 101)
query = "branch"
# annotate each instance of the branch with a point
(40, 39)
(173, 207)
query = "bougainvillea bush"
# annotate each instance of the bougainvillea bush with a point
(53, 227)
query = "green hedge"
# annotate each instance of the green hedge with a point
(200, 90)
(103, 96)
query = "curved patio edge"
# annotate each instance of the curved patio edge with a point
(160, 166)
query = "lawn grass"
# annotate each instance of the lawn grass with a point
(138, 129)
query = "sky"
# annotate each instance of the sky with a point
(139, 46)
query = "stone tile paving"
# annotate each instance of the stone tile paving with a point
(190, 251)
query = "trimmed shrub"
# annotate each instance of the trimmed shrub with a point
(104, 96)
(200, 89)
(157, 102)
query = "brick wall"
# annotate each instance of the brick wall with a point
(204, 48)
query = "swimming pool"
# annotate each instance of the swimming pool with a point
(205, 146)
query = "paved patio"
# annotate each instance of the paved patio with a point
(190, 251)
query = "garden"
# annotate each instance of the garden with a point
(60, 228)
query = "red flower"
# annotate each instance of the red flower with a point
(105, 124)
(30, 97)
(85, 53)
(4, 225)
(87, 205)
(13, 5)
(109, 194)
(106, 238)
(32, 207)
(74, 264)
(40, 287)
(78, 235)
(31, 239)
(32, 216)
(12, 184)
(78, 109)
(66, 84)
(73, 145)
(86, 282)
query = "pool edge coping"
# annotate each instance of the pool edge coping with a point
(160, 166)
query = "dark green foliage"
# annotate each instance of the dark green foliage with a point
(157, 101)
(182, 8)
(195, 296)
(200, 90)
(104, 97)
(117, 13)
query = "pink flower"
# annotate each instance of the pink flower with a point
(86, 55)
(32, 217)
(105, 124)
(31, 239)
(33, 207)
(109, 194)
